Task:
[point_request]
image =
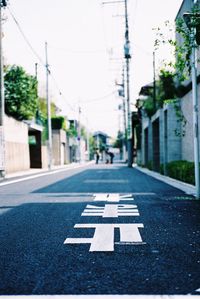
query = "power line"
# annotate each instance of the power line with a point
(25, 38)
(100, 98)
(38, 57)
(77, 51)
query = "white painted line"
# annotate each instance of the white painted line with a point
(110, 197)
(78, 241)
(126, 196)
(103, 238)
(101, 296)
(111, 210)
(40, 175)
(106, 181)
(130, 232)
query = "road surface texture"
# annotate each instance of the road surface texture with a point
(100, 229)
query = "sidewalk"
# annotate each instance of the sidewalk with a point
(30, 173)
(187, 188)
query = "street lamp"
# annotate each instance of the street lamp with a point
(189, 19)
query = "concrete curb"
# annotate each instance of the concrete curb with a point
(187, 188)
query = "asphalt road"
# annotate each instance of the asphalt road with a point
(101, 229)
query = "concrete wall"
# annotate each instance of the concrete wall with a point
(44, 156)
(161, 137)
(188, 139)
(17, 156)
(59, 147)
(172, 134)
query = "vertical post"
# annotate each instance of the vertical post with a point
(48, 112)
(154, 82)
(2, 105)
(125, 125)
(36, 70)
(79, 134)
(88, 140)
(195, 112)
(129, 122)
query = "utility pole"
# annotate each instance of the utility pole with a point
(127, 57)
(36, 70)
(125, 125)
(122, 95)
(2, 100)
(154, 82)
(189, 18)
(49, 145)
(79, 134)
(195, 114)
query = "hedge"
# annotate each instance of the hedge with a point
(58, 122)
(181, 170)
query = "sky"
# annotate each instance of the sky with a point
(85, 40)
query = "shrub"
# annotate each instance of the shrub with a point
(58, 122)
(149, 165)
(181, 170)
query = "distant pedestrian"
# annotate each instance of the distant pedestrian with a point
(111, 156)
(97, 156)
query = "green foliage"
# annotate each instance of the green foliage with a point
(58, 122)
(150, 165)
(84, 132)
(72, 131)
(181, 170)
(42, 108)
(149, 106)
(20, 93)
(118, 143)
(181, 49)
(168, 90)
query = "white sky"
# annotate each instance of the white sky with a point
(85, 51)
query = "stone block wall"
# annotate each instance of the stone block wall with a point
(17, 156)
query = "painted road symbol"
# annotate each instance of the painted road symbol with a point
(111, 210)
(112, 197)
(103, 238)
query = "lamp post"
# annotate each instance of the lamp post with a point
(3, 4)
(189, 18)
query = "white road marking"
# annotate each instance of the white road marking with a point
(114, 181)
(103, 238)
(45, 173)
(101, 296)
(111, 210)
(111, 197)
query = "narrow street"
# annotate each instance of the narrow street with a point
(100, 229)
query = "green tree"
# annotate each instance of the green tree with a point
(119, 141)
(20, 93)
(42, 107)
